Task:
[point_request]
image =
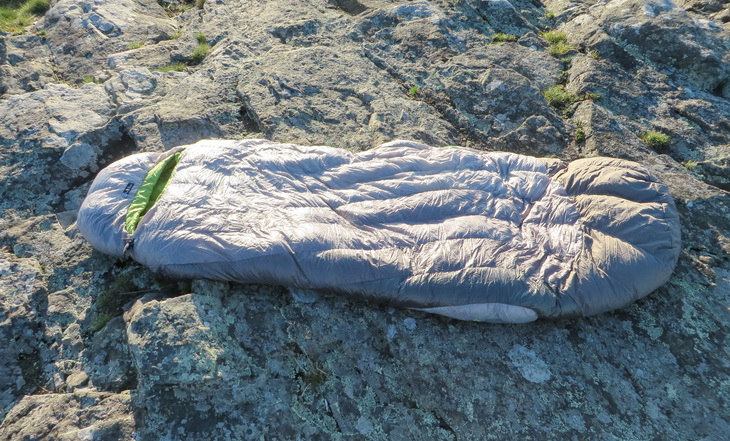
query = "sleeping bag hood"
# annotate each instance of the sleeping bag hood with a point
(472, 235)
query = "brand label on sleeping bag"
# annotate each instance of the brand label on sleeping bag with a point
(127, 189)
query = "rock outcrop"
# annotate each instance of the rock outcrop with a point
(96, 348)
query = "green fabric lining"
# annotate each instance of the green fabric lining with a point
(150, 191)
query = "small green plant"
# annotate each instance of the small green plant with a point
(179, 9)
(560, 48)
(15, 15)
(91, 79)
(564, 77)
(690, 165)
(655, 139)
(175, 35)
(580, 133)
(558, 43)
(199, 4)
(558, 97)
(561, 99)
(136, 44)
(174, 67)
(594, 54)
(413, 91)
(173, 9)
(500, 37)
(554, 37)
(37, 7)
(550, 15)
(196, 57)
(200, 51)
(41, 33)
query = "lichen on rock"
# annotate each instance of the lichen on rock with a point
(97, 348)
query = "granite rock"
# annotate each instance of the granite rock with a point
(98, 348)
(82, 34)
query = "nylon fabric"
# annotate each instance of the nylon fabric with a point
(452, 231)
(150, 191)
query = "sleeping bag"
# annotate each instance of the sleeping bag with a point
(496, 237)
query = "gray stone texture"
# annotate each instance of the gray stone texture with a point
(95, 348)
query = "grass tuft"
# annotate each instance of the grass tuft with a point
(560, 98)
(174, 67)
(655, 139)
(200, 51)
(37, 7)
(173, 9)
(501, 37)
(558, 43)
(554, 37)
(15, 15)
(560, 49)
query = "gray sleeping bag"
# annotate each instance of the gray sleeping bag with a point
(497, 237)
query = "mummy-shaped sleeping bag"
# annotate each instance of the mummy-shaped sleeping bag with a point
(497, 237)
